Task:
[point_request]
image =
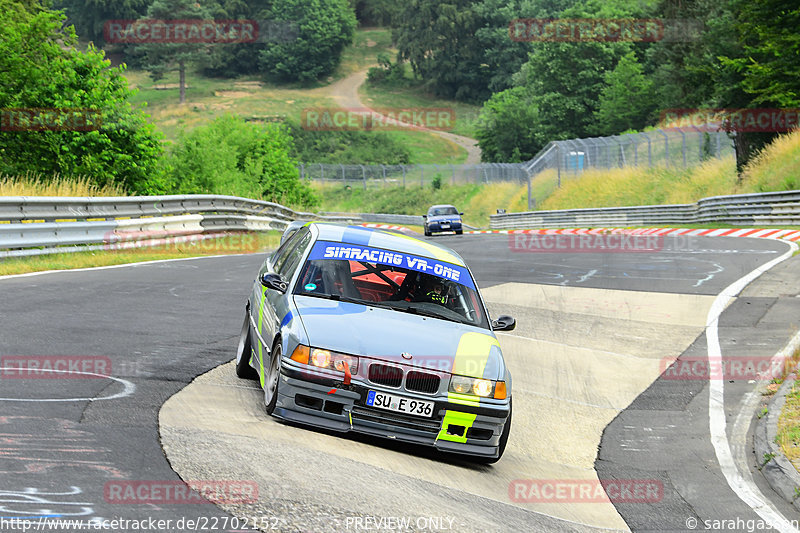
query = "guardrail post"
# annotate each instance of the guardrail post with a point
(421, 176)
(344, 179)
(383, 168)
(302, 172)
(404, 176)
(364, 176)
(322, 173)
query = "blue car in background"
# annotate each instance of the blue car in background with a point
(354, 329)
(443, 218)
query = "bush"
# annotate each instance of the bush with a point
(231, 156)
(347, 147)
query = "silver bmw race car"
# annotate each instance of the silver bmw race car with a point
(356, 329)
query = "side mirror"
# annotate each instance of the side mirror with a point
(462, 214)
(504, 323)
(274, 282)
(425, 217)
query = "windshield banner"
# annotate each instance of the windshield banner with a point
(427, 265)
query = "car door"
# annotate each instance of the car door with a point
(273, 306)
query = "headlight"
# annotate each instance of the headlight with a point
(484, 388)
(332, 360)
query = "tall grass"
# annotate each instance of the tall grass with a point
(31, 184)
(776, 168)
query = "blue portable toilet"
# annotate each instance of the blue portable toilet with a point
(575, 161)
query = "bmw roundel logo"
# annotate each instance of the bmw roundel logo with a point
(405, 355)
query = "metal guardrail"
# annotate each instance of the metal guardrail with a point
(40, 225)
(764, 209)
(385, 218)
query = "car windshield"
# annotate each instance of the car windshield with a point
(439, 211)
(391, 280)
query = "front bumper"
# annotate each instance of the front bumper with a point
(438, 226)
(326, 403)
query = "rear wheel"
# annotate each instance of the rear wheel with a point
(244, 352)
(272, 378)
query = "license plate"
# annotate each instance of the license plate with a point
(399, 404)
(445, 226)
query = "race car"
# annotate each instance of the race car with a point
(442, 218)
(355, 329)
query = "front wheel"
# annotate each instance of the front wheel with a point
(427, 232)
(272, 379)
(459, 231)
(244, 352)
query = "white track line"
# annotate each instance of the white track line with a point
(747, 491)
(121, 265)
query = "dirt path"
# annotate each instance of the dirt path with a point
(345, 92)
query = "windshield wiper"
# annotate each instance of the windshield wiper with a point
(425, 312)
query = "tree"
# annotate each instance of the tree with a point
(768, 66)
(768, 30)
(162, 57)
(462, 49)
(231, 156)
(508, 130)
(323, 29)
(90, 127)
(90, 16)
(437, 37)
(626, 101)
(375, 12)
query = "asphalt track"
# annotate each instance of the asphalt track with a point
(158, 326)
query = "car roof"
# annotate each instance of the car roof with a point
(376, 238)
(441, 205)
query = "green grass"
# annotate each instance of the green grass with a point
(367, 44)
(231, 244)
(208, 98)
(788, 436)
(428, 148)
(385, 95)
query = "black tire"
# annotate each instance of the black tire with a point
(244, 352)
(459, 232)
(427, 233)
(272, 378)
(501, 445)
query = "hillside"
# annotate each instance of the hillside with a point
(777, 168)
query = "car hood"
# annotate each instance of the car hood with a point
(445, 218)
(385, 334)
